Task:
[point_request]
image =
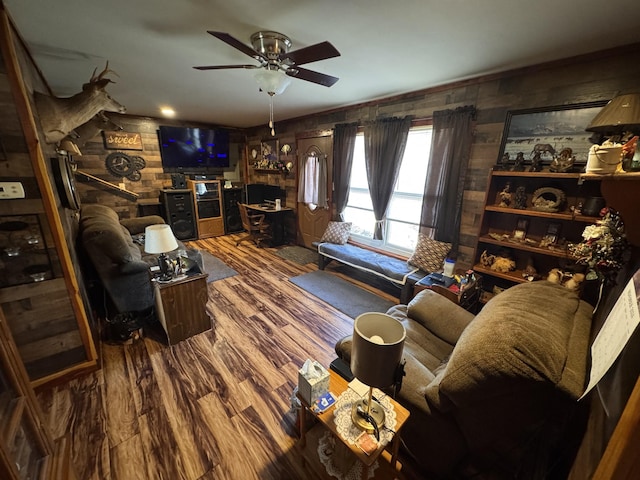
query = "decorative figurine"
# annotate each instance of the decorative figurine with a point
(520, 200)
(536, 163)
(518, 166)
(503, 164)
(563, 162)
(505, 196)
(530, 273)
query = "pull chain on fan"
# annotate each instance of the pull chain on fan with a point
(274, 82)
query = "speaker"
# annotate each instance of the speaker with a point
(180, 213)
(178, 180)
(230, 199)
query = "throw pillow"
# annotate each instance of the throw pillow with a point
(337, 232)
(429, 254)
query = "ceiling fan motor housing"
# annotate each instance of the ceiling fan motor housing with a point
(270, 44)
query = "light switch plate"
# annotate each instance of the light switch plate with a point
(9, 190)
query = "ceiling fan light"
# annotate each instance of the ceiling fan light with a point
(274, 82)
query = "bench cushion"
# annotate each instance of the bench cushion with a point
(392, 269)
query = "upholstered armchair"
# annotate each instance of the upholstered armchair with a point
(495, 394)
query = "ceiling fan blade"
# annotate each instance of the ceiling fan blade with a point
(235, 43)
(312, 53)
(224, 67)
(311, 76)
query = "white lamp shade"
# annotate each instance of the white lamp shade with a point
(274, 82)
(159, 239)
(376, 351)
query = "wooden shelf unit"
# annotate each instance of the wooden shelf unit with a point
(208, 199)
(499, 223)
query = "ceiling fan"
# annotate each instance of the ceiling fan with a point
(271, 50)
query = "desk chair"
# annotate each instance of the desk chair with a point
(254, 224)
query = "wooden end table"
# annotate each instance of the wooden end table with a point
(389, 467)
(181, 306)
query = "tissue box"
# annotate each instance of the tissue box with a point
(313, 382)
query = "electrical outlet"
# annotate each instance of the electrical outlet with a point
(9, 190)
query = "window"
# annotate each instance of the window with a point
(401, 223)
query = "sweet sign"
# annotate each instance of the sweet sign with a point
(122, 140)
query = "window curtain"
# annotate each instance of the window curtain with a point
(444, 187)
(312, 181)
(384, 144)
(344, 140)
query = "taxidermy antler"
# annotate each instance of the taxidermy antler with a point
(59, 116)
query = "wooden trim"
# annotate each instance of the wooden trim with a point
(620, 459)
(27, 121)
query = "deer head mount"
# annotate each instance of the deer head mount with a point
(79, 136)
(59, 116)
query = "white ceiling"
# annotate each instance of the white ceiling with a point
(387, 48)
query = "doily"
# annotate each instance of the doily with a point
(344, 425)
(339, 461)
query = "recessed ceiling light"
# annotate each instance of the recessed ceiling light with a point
(167, 111)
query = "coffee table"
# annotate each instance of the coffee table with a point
(389, 467)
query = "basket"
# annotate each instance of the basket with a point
(604, 159)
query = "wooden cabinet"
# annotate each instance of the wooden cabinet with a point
(26, 448)
(207, 194)
(181, 307)
(542, 215)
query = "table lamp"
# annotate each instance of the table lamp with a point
(159, 239)
(376, 355)
(620, 115)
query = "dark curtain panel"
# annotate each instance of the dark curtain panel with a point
(344, 140)
(450, 149)
(384, 143)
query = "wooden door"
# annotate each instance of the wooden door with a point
(313, 221)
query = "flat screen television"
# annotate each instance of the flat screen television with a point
(194, 151)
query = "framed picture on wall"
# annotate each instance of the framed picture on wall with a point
(270, 150)
(547, 131)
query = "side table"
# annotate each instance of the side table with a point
(389, 467)
(181, 306)
(469, 298)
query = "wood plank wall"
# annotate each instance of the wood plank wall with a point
(152, 180)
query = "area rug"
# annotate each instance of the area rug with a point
(299, 255)
(216, 268)
(340, 294)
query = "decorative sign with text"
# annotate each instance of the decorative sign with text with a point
(122, 140)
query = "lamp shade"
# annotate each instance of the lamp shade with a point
(159, 239)
(621, 114)
(376, 352)
(274, 82)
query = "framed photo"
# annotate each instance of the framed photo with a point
(520, 232)
(551, 237)
(270, 150)
(547, 131)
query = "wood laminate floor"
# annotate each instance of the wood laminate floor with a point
(215, 406)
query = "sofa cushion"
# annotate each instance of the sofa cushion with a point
(429, 254)
(534, 332)
(439, 315)
(110, 239)
(337, 232)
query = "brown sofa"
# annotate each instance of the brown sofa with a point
(495, 395)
